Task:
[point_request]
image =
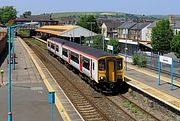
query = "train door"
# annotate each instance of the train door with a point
(80, 65)
(111, 70)
(91, 68)
(69, 56)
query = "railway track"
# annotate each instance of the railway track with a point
(140, 113)
(81, 101)
(85, 107)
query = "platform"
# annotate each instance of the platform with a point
(29, 92)
(63, 104)
(146, 81)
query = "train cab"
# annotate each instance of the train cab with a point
(110, 71)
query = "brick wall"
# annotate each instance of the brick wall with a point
(3, 41)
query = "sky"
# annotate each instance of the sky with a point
(146, 7)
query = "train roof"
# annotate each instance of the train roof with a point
(85, 49)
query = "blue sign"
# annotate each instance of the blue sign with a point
(51, 97)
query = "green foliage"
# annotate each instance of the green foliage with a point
(135, 59)
(175, 45)
(27, 13)
(162, 36)
(97, 42)
(7, 13)
(115, 44)
(24, 32)
(139, 59)
(88, 22)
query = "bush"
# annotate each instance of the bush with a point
(142, 61)
(139, 59)
(135, 59)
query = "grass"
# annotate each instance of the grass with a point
(131, 106)
(65, 14)
(35, 42)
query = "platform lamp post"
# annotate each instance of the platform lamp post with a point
(125, 49)
(91, 30)
(11, 39)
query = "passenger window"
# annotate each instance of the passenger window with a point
(86, 63)
(93, 65)
(101, 65)
(57, 48)
(48, 44)
(74, 57)
(65, 53)
(119, 64)
(52, 46)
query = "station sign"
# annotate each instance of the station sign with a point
(164, 59)
(109, 47)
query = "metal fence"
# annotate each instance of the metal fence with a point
(152, 63)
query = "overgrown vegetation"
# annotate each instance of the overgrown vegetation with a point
(24, 32)
(175, 45)
(139, 59)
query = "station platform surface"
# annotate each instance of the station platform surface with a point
(29, 91)
(146, 80)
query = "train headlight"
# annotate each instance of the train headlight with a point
(101, 77)
(119, 77)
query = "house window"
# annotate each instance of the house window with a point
(86, 63)
(74, 57)
(65, 52)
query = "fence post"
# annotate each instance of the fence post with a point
(172, 74)
(159, 69)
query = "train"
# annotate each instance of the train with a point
(103, 70)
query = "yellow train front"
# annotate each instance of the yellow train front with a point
(101, 69)
(110, 72)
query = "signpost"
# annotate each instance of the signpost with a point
(167, 60)
(110, 47)
(51, 99)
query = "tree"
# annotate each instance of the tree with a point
(27, 13)
(175, 45)
(162, 36)
(88, 22)
(7, 13)
(115, 45)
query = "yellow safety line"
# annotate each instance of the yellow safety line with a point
(59, 105)
(153, 92)
(153, 75)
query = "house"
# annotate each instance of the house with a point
(149, 30)
(69, 20)
(123, 29)
(138, 32)
(109, 28)
(177, 27)
(42, 19)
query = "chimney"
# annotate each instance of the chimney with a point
(171, 19)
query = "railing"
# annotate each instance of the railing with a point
(152, 63)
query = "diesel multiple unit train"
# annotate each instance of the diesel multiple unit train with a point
(102, 69)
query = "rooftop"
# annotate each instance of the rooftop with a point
(127, 25)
